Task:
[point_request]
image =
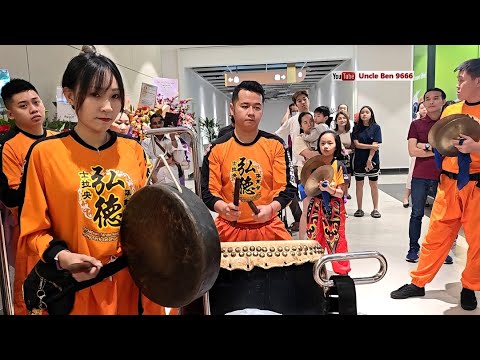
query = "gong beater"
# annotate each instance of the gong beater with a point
(324, 172)
(449, 128)
(171, 244)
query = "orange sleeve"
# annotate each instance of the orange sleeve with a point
(11, 167)
(34, 217)
(144, 163)
(338, 176)
(211, 178)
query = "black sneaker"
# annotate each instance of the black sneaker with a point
(412, 256)
(468, 300)
(407, 291)
(448, 260)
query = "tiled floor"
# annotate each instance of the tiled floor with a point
(389, 236)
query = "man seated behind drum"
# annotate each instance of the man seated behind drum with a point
(260, 160)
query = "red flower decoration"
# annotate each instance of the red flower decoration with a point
(4, 128)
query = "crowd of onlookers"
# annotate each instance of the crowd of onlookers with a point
(360, 137)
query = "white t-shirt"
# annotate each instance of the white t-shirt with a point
(178, 152)
(291, 127)
(164, 176)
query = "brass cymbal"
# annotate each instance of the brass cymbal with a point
(324, 172)
(310, 166)
(449, 128)
(432, 134)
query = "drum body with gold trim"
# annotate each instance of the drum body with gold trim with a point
(266, 275)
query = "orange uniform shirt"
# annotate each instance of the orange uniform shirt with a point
(263, 166)
(76, 193)
(451, 163)
(14, 146)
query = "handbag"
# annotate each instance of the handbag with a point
(48, 289)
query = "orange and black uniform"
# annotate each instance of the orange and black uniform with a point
(14, 147)
(266, 175)
(452, 209)
(329, 228)
(74, 198)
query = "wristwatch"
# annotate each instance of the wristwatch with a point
(57, 261)
(427, 147)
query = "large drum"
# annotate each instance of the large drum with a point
(268, 275)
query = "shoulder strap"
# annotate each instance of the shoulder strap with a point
(155, 139)
(106, 271)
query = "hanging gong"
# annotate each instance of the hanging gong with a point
(171, 244)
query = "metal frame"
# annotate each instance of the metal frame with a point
(196, 174)
(319, 273)
(5, 286)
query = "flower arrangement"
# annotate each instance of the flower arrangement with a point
(181, 107)
(140, 117)
(139, 120)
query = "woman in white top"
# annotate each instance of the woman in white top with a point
(344, 108)
(302, 150)
(342, 128)
(164, 176)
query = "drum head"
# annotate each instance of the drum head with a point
(171, 244)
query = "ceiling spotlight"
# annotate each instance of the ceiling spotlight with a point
(277, 77)
(300, 74)
(236, 79)
(283, 77)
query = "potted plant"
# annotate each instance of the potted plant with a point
(210, 127)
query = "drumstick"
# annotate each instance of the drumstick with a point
(80, 267)
(236, 195)
(253, 207)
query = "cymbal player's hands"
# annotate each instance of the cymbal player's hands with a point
(228, 211)
(328, 188)
(468, 146)
(475, 118)
(68, 260)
